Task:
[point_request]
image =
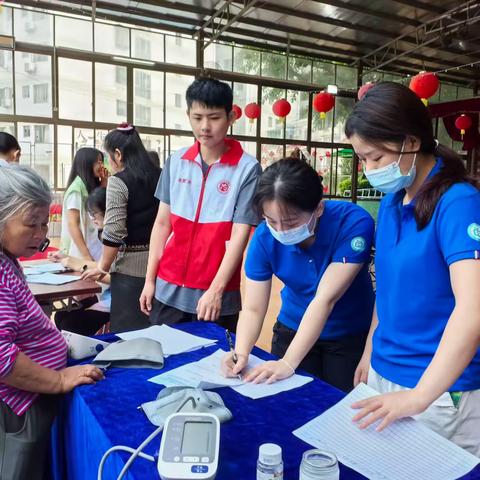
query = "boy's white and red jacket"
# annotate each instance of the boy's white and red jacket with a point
(203, 209)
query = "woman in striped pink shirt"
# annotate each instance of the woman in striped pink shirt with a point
(32, 351)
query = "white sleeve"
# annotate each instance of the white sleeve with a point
(73, 201)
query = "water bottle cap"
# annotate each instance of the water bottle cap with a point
(270, 454)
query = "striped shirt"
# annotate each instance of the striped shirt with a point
(25, 328)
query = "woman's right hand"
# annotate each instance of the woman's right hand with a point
(56, 256)
(146, 297)
(361, 372)
(72, 377)
(231, 369)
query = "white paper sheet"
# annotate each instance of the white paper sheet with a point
(173, 341)
(405, 450)
(44, 268)
(52, 278)
(206, 374)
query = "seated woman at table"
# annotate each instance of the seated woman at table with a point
(320, 250)
(422, 354)
(79, 237)
(33, 353)
(93, 312)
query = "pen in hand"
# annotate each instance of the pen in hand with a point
(232, 350)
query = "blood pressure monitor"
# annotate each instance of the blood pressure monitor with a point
(189, 447)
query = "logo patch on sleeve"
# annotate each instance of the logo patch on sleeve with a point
(358, 244)
(473, 231)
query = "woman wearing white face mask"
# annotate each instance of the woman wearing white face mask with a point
(424, 357)
(320, 250)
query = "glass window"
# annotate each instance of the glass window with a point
(442, 134)
(155, 143)
(271, 126)
(274, 65)
(64, 154)
(344, 171)
(147, 45)
(179, 141)
(75, 89)
(6, 81)
(33, 27)
(218, 56)
(73, 33)
(299, 69)
(112, 39)
(372, 77)
(37, 148)
(246, 61)
(6, 21)
(180, 50)
(148, 98)
(464, 93)
(323, 73)
(177, 85)
(83, 137)
(270, 154)
(31, 72)
(110, 95)
(99, 139)
(250, 148)
(343, 108)
(346, 77)
(243, 94)
(448, 92)
(323, 159)
(297, 119)
(120, 75)
(7, 127)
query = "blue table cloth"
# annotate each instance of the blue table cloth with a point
(94, 418)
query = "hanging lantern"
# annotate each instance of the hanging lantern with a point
(252, 111)
(463, 123)
(364, 89)
(425, 85)
(323, 102)
(237, 111)
(281, 108)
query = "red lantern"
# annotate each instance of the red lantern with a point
(323, 102)
(252, 111)
(364, 89)
(463, 122)
(425, 85)
(281, 108)
(237, 111)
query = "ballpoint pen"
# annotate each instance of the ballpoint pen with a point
(232, 350)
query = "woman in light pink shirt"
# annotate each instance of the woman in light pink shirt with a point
(33, 353)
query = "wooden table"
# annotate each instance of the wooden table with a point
(51, 293)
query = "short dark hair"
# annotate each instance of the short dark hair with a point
(8, 143)
(390, 112)
(97, 200)
(82, 167)
(293, 183)
(211, 93)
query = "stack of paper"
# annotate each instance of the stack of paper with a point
(51, 278)
(403, 451)
(44, 268)
(173, 341)
(206, 374)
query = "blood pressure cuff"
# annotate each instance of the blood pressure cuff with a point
(185, 399)
(135, 353)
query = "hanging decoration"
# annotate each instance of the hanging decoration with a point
(252, 111)
(281, 108)
(237, 112)
(323, 102)
(364, 89)
(425, 85)
(463, 123)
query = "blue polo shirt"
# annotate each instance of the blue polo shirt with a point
(344, 234)
(414, 294)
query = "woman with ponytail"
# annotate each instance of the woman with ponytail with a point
(422, 350)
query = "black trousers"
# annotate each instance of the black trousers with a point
(164, 314)
(333, 361)
(82, 321)
(125, 313)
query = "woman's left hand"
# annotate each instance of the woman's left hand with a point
(95, 274)
(209, 306)
(269, 372)
(388, 408)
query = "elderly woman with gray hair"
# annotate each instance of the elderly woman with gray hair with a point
(33, 352)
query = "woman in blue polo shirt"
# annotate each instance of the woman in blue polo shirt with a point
(426, 327)
(320, 250)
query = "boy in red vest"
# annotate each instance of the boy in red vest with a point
(204, 218)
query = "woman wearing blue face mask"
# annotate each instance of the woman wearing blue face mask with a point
(320, 250)
(424, 357)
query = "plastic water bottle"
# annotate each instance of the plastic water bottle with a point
(319, 465)
(270, 463)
